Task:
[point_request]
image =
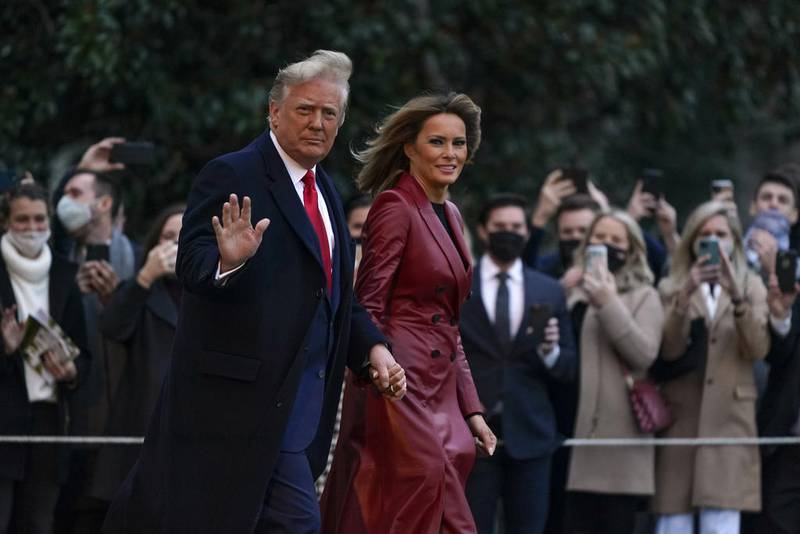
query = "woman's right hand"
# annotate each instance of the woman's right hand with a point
(160, 262)
(600, 286)
(701, 272)
(12, 330)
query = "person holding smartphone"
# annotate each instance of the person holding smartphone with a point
(619, 319)
(710, 280)
(517, 338)
(141, 315)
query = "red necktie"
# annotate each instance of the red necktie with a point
(312, 209)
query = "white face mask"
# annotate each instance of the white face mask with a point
(29, 244)
(74, 215)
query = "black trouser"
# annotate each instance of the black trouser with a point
(32, 500)
(601, 513)
(781, 490)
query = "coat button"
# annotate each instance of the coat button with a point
(469, 295)
(321, 373)
(440, 289)
(435, 353)
(709, 381)
(279, 404)
(436, 317)
(319, 293)
(453, 357)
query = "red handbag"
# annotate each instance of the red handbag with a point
(650, 410)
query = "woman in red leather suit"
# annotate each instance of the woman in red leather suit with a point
(401, 466)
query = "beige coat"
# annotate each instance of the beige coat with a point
(718, 401)
(627, 328)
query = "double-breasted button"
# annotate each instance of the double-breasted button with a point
(435, 353)
(436, 318)
(440, 289)
(452, 356)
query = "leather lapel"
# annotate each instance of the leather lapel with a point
(462, 274)
(285, 195)
(437, 230)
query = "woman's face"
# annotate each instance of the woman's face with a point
(717, 226)
(171, 229)
(437, 155)
(28, 215)
(609, 231)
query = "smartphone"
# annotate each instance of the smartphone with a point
(139, 153)
(594, 257)
(709, 246)
(652, 182)
(719, 187)
(579, 178)
(786, 270)
(98, 252)
(540, 316)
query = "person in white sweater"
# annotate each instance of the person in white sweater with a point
(35, 399)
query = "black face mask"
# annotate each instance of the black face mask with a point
(616, 258)
(506, 246)
(566, 250)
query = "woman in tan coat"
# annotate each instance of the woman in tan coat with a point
(620, 320)
(716, 399)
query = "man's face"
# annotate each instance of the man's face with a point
(306, 121)
(356, 220)
(81, 188)
(776, 197)
(573, 225)
(505, 219)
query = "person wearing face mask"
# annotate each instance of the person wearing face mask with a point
(85, 210)
(402, 466)
(32, 278)
(141, 315)
(619, 317)
(716, 397)
(517, 337)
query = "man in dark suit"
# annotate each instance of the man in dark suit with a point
(779, 415)
(517, 336)
(245, 416)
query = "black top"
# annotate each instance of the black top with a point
(439, 209)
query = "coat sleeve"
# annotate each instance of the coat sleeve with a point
(198, 254)
(635, 336)
(119, 318)
(385, 237)
(676, 324)
(468, 399)
(752, 327)
(567, 365)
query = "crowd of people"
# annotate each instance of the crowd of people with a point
(473, 350)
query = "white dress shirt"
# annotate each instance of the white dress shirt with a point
(516, 298)
(296, 173)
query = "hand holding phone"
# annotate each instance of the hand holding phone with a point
(540, 315)
(579, 178)
(652, 182)
(139, 153)
(595, 260)
(786, 270)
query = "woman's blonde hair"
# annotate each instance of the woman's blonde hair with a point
(636, 272)
(684, 256)
(384, 159)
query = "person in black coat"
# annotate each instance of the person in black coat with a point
(517, 337)
(33, 279)
(266, 326)
(142, 315)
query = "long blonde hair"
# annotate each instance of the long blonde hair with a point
(384, 158)
(684, 256)
(636, 272)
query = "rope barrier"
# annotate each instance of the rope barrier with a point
(613, 442)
